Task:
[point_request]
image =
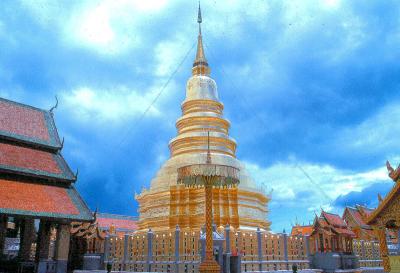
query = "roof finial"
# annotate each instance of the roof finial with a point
(199, 20)
(55, 106)
(200, 65)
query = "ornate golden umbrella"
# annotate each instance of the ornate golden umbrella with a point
(208, 175)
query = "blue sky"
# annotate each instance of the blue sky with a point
(311, 89)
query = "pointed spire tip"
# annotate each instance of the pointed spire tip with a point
(200, 65)
(199, 19)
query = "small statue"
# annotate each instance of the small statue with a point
(393, 174)
(109, 266)
(294, 268)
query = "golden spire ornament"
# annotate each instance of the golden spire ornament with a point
(200, 65)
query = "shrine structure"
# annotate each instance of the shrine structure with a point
(166, 204)
(387, 216)
(36, 184)
(331, 234)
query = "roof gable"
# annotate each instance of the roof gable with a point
(333, 219)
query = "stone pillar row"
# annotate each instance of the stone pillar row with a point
(27, 233)
(61, 247)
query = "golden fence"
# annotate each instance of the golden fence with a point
(264, 251)
(181, 250)
(368, 253)
(176, 251)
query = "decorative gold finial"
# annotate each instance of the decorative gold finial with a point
(393, 174)
(200, 65)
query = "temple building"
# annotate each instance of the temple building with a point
(331, 234)
(36, 189)
(166, 204)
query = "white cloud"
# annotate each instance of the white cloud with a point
(168, 55)
(117, 105)
(331, 4)
(108, 27)
(323, 183)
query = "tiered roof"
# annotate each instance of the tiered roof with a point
(332, 224)
(35, 180)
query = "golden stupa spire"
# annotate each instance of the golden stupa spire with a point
(200, 65)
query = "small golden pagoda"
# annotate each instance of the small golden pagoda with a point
(167, 204)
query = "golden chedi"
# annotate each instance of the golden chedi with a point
(167, 204)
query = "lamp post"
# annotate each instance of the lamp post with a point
(208, 175)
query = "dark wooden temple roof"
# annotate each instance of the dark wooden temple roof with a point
(35, 180)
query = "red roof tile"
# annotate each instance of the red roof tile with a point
(126, 224)
(27, 124)
(301, 230)
(35, 198)
(26, 158)
(334, 219)
(344, 231)
(23, 121)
